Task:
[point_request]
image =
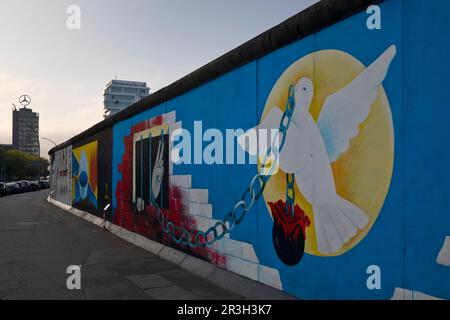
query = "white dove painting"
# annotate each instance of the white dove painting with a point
(315, 143)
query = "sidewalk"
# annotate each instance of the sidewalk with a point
(39, 241)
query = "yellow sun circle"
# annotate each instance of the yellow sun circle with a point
(363, 173)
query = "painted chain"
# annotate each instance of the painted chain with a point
(197, 238)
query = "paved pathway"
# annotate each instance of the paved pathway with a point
(39, 241)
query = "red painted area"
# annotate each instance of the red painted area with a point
(146, 223)
(291, 224)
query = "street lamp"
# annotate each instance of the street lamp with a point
(50, 141)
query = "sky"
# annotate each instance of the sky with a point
(158, 41)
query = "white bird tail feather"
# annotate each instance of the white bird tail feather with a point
(336, 223)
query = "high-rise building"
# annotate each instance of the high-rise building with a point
(26, 131)
(120, 94)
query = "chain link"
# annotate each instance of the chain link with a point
(197, 238)
(290, 193)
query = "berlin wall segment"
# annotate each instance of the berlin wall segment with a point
(330, 221)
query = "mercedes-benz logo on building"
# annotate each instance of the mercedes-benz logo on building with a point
(24, 100)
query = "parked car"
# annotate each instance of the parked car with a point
(24, 186)
(3, 190)
(44, 184)
(34, 186)
(12, 188)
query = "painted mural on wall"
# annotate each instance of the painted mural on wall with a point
(151, 167)
(62, 172)
(145, 177)
(91, 178)
(338, 149)
(84, 176)
(336, 205)
(334, 172)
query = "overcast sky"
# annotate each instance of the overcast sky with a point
(157, 41)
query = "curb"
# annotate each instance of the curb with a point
(225, 279)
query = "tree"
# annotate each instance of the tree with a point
(20, 165)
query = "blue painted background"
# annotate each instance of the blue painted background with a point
(415, 219)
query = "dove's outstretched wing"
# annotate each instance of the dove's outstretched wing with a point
(249, 140)
(345, 110)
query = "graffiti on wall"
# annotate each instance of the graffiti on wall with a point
(151, 167)
(187, 208)
(84, 176)
(336, 159)
(62, 171)
(335, 163)
(326, 215)
(147, 176)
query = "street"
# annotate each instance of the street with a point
(39, 241)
